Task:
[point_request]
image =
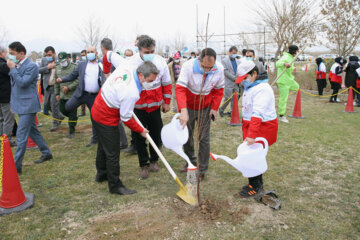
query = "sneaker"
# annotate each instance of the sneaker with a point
(249, 192)
(144, 172)
(283, 119)
(154, 167)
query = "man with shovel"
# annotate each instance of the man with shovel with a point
(199, 91)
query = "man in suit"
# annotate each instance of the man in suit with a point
(25, 102)
(47, 69)
(230, 67)
(90, 78)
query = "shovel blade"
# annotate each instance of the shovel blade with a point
(186, 197)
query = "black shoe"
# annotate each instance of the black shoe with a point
(131, 150)
(123, 147)
(100, 178)
(13, 143)
(71, 135)
(19, 171)
(122, 191)
(221, 112)
(91, 143)
(54, 128)
(229, 114)
(81, 115)
(43, 159)
(249, 191)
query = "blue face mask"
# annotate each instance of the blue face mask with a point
(136, 49)
(246, 83)
(91, 56)
(50, 59)
(249, 59)
(148, 57)
(234, 56)
(83, 58)
(13, 58)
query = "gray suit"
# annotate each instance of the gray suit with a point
(49, 92)
(230, 86)
(25, 102)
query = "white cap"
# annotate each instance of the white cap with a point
(243, 68)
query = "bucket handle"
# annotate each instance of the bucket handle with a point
(261, 139)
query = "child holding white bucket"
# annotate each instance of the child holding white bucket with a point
(259, 115)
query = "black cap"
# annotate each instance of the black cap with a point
(293, 49)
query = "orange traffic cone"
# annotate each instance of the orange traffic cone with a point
(349, 104)
(297, 107)
(12, 198)
(306, 68)
(31, 144)
(37, 122)
(235, 116)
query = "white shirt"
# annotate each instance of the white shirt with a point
(91, 77)
(259, 101)
(120, 91)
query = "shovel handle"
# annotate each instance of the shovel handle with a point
(167, 165)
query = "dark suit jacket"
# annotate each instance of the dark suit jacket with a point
(5, 87)
(79, 73)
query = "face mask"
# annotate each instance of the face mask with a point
(83, 58)
(234, 56)
(341, 61)
(148, 57)
(64, 63)
(177, 60)
(136, 49)
(246, 83)
(249, 59)
(13, 58)
(50, 59)
(91, 56)
(146, 85)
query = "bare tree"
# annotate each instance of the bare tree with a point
(290, 21)
(35, 55)
(179, 41)
(91, 31)
(342, 24)
(3, 35)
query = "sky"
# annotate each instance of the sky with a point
(39, 23)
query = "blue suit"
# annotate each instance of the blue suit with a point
(24, 101)
(80, 96)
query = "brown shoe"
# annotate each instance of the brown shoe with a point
(202, 176)
(154, 167)
(184, 169)
(144, 172)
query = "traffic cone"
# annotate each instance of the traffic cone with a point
(306, 68)
(297, 107)
(12, 198)
(349, 104)
(37, 122)
(294, 68)
(235, 116)
(31, 144)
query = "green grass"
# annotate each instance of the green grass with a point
(313, 167)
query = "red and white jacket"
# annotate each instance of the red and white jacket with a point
(111, 58)
(188, 86)
(321, 71)
(117, 98)
(159, 90)
(336, 73)
(259, 113)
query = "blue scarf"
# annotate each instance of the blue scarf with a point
(253, 84)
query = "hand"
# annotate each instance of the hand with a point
(250, 141)
(143, 134)
(287, 65)
(214, 114)
(184, 117)
(51, 65)
(59, 80)
(58, 98)
(10, 64)
(165, 107)
(65, 89)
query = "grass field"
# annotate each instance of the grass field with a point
(314, 168)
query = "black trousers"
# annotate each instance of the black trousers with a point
(108, 154)
(72, 115)
(153, 122)
(86, 98)
(321, 84)
(335, 87)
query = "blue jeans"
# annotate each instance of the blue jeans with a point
(26, 128)
(88, 99)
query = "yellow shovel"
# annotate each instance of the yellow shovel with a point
(182, 193)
